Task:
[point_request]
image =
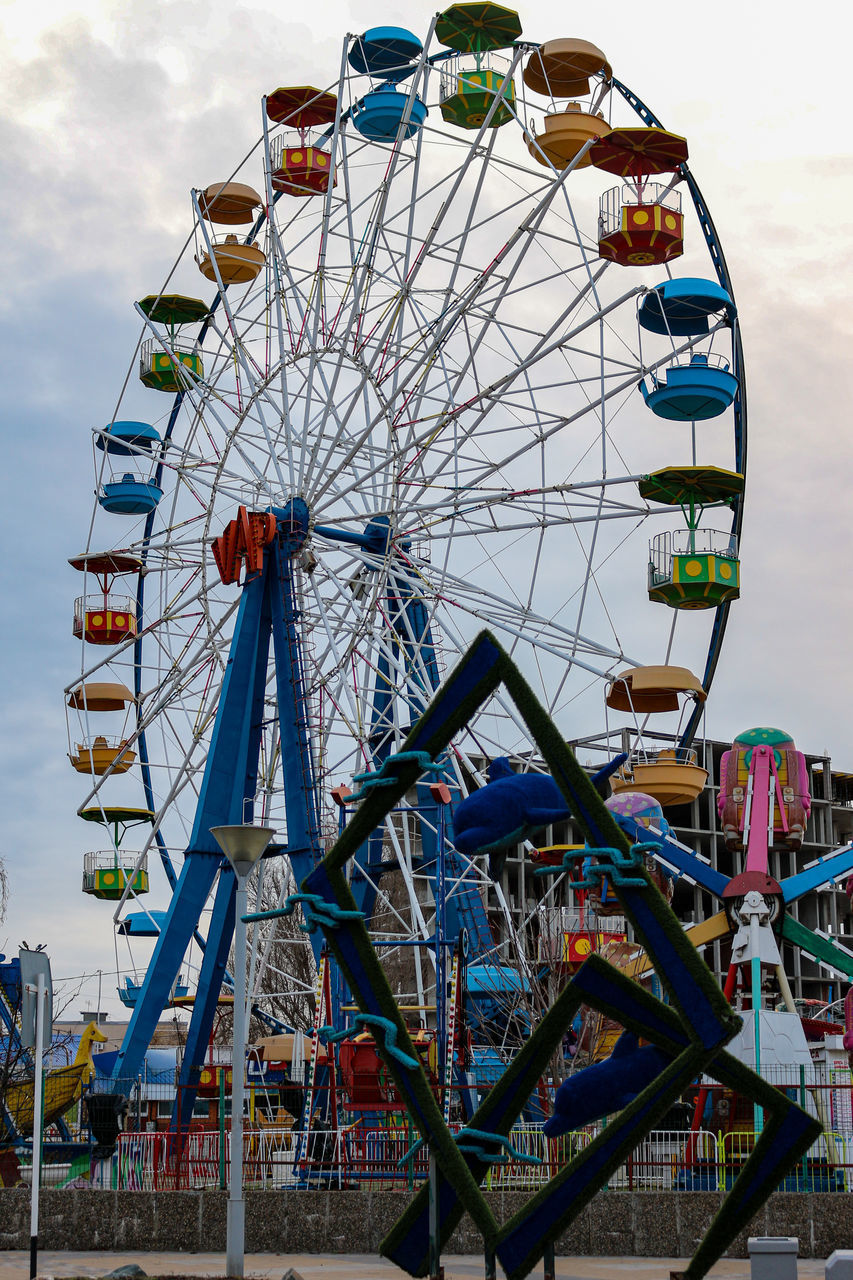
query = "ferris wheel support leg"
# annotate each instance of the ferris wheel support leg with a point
(230, 778)
(231, 772)
(219, 936)
(191, 894)
(300, 793)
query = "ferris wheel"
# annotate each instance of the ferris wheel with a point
(459, 380)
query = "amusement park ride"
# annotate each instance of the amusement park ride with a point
(434, 386)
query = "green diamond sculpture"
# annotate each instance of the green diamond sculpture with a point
(692, 1029)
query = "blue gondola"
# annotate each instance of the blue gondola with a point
(378, 115)
(385, 51)
(129, 993)
(131, 494)
(691, 392)
(143, 924)
(126, 438)
(683, 308)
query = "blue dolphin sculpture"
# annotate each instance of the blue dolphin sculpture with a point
(512, 807)
(605, 1087)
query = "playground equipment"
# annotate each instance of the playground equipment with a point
(373, 447)
(781, 771)
(691, 1032)
(62, 1086)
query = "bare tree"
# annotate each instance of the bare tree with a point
(282, 975)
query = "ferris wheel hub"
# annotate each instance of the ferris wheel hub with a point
(378, 534)
(294, 523)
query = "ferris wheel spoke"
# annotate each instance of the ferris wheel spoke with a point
(261, 398)
(542, 633)
(490, 396)
(485, 315)
(170, 691)
(554, 499)
(230, 433)
(337, 439)
(596, 404)
(468, 299)
(334, 650)
(370, 236)
(589, 558)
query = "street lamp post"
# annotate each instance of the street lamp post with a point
(242, 846)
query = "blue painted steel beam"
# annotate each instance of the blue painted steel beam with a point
(231, 772)
(229, 780)
(825, 869)
(706, 877)
(350, 536)
(188, 902)
(301, 802)
(267, 610)
(219, 936)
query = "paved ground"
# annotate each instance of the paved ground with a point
(14, 1265)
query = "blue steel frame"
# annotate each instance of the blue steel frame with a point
(267, 611)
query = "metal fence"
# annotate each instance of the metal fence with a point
(376, 1159)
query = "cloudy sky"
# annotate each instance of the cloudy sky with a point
(111, 112)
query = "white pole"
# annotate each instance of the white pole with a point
(755, 948)
(38, 1120)
(236, 1218)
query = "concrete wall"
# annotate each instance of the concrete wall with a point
(645, 1224)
